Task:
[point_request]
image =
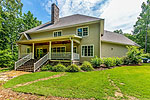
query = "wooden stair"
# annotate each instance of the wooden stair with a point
(28, 66)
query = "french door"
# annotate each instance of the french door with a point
(40, 52)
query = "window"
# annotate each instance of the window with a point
(87, 51)
(57, 33)
(58, 49)
(74, 49)
(28, 50)
(83, 31)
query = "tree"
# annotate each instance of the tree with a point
(29, 21)
(118, 31)
(141, 27)
(11, 24)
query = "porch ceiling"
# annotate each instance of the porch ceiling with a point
(52, 39)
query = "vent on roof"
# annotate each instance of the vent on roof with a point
(54, 13)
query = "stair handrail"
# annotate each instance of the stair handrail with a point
(23, 60)
(41, 61)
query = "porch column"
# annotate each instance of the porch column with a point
(32, 50)
(71, 50)
(19, 51)
(50, 45)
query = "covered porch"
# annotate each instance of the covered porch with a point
(58, 48)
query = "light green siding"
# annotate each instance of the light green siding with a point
(93, 38)
(113, 50)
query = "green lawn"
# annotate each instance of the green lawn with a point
(28, 77)
(132, 81)
(135, 79)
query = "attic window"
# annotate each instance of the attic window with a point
(83, 31)
(57, 33)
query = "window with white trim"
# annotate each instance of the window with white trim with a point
(83, 31)
(57, 33)
(87, 51)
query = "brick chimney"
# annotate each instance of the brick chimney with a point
(54, 13)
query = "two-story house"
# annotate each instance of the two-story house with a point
(73, 39)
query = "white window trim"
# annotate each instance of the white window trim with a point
(57, 31)
(76, 48)
(87, 50)
(82, 31)
(57, 47)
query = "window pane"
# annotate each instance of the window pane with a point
(80, 32)
(59, 33)
(90, 50)
(55, 34)
(83, 50)
(62, 49)
(85, 31)
(58, 49)
(54, 50)
(74, 49)
(28, 50)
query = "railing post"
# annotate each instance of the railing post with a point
(33, 51)
(71, 50)
(34, 67)
(15, 65)
(50, 49)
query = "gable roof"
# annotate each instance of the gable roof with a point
(113, 37)
(64, 21)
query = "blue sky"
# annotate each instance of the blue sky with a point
(118, 14)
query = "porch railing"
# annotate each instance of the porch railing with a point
(64, 55)
(76, 56)
(23, 60)
(61, 56)
(41, 61)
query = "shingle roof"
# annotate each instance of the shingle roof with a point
(117, 38)
(64, 21)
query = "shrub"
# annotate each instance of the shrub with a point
(125, 60)
(47, 67)
(134, 54)
(73, 68)
(118, 61)
(86, 66)
(109, 62)
(96, 62)
(59, 68)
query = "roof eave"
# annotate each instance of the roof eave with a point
(120, 43)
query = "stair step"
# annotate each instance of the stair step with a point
(28, 66)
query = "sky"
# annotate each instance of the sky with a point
(118, 14)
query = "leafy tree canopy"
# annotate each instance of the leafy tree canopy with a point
(13, 22)
(118, 31)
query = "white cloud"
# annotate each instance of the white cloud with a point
(118, 14)
(122, 14)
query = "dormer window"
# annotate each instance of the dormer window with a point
(57, 33)
(83, 31)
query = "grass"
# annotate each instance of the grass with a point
(28, 77)
(73, 85)
(132, 81)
